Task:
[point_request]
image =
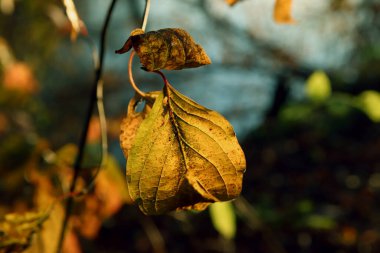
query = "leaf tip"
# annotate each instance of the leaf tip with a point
(126, 47)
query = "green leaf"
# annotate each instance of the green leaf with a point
(317, 221)
(369, 102)
(318, 87)
(224, 219)
(184, 156)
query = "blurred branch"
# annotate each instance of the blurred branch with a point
(253, 221)
(94, 97)
(154, 235)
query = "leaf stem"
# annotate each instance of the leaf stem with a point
(130, 62)
(146, 14)
(81, 146)
(130, 75)
(163, 76)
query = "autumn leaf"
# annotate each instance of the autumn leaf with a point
(231, 2)
(17, 230)
(45, 196)
(133, 120)
(77, 24)
(184, 156)
(19, 76)
(94, 130)
(282, 12)
(111, 188)
(170, 48)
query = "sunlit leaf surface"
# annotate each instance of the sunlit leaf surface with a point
(184, 156)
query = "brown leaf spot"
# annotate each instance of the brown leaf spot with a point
(20, 77)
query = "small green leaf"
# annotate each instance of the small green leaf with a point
(369, 102)
(224, 219)
(317, 221)
(318, 87)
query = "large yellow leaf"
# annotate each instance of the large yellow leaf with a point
(184, 156)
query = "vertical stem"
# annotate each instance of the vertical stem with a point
(146, 14)
(83, 137)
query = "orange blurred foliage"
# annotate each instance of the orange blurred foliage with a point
(94, 130)
(19, 76)
(282, 12)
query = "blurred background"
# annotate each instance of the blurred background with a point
(304, 100)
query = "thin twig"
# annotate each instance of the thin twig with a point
(102, 121)
(154, 235)
(146, 14)
(130, 75)
(82, 141)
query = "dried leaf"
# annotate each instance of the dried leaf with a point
(133, 119)
(19, 76)
(170, 48)
(111, 189)
(76, 23)
(7, 6)
(282, 12)
(184, 156)
(94, 130)
(231, 2)
(63, 23)
(45, 194)
(17, 230)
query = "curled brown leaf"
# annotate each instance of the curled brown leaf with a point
(170, 48)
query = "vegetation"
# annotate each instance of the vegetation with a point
(306, 179)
